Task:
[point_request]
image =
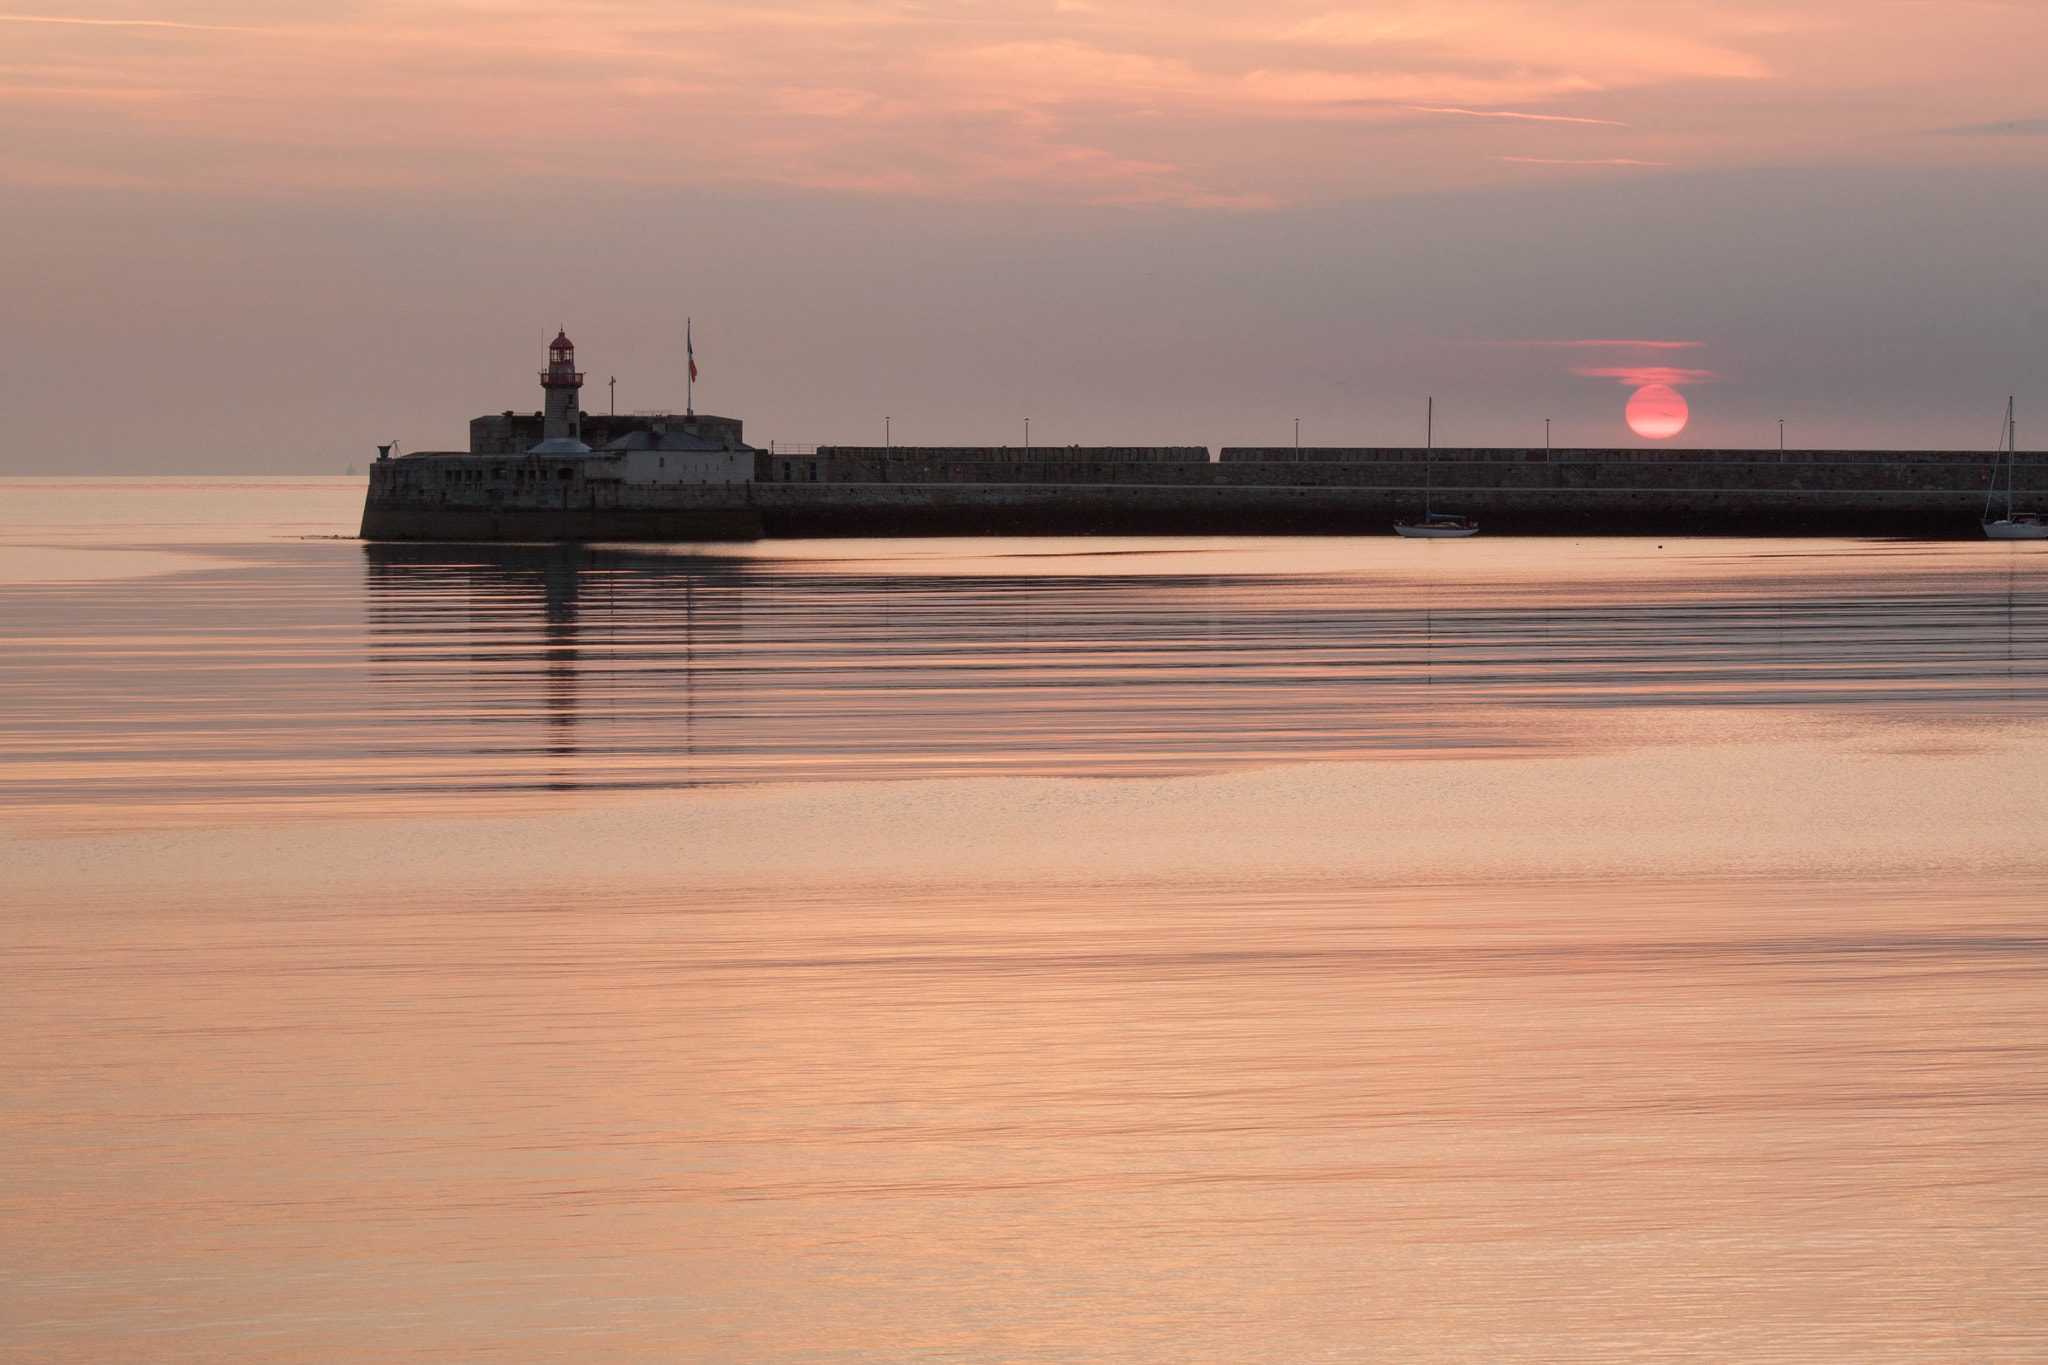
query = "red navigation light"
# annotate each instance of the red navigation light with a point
(561, 372)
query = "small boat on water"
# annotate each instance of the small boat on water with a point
(2013, 525)
(1434, 525)
(2021, 526)
(1438, 525)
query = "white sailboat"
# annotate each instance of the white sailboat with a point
(1437, 525)
(1434, 525)
(2013, 525)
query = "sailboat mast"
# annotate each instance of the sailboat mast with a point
(2011, 459)
(1991, 493)
(1428, 457)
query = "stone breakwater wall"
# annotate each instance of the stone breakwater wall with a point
(1661, 458)
(1576, 492)
(1062, 455)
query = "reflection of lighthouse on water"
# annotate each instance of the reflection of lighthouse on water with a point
(561, 667)
(560, 586)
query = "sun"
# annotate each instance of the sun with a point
(1657, 411)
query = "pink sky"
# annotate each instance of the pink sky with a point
(249, 235)
(1193, 103)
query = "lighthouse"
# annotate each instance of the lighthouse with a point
(563, 385)
(561, 427)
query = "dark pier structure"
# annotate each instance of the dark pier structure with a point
(691, 477)
(926, 492)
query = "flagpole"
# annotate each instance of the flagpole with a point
(690, 383)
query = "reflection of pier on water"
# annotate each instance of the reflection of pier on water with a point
(574, 667)
(497, 639)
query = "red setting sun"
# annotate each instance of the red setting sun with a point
(1657, 411)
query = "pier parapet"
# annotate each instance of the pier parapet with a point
(1024, 454)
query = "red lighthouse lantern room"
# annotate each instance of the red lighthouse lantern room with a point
(561, 372)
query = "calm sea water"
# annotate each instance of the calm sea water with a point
(1034, 950)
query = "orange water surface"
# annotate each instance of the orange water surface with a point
(1014, 950)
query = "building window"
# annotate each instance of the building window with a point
(814, 471)
(567, 474)
(785, 471)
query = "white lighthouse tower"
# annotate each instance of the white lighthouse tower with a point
(562, 423)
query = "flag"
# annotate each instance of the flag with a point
(690, 348)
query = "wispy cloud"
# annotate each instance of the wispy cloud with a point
(2019, 127)
(1509, 114)
(122, 23)
(1633, 375)
(1578, 161)
(1193, 103)
(1595, 341)
(1639, 375)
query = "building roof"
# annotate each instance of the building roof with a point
(561, 342)
(668, 440)
(560, 445)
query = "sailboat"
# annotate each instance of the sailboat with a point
(2011, 526)
(1434, 525)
